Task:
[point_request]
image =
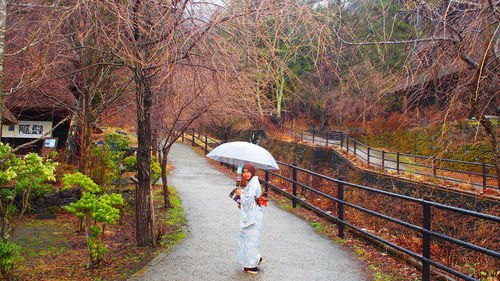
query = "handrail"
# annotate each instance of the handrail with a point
(353, 146)
(425, 229)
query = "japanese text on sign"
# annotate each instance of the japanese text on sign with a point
(31, 129)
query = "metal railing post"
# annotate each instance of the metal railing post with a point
(266, 178)
(368, 156)
(383, 159)
(355, 144)
(192, 134)
(313, 136)
(484, 176)
(301, 136)
(347, 143)
(340, 205)
(294, 186)
(434, 170)
(397, 162)
(341, 140)
(182, 137)
(426, 241)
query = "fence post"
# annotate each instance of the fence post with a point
(426, 242)
(192, 134)
(182, 137)
(484, 176)
(397, 162)
(340, 205)
(434, 170)
(206, 150)
(294, 190)
(301, 135)
(341, 140)
(313, 136)
(347, 143)
(383, 159)
(266, 178)
(355, 144)
(368, 156)
(326, 139)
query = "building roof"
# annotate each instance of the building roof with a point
(434, 73)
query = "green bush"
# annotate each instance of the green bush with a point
(130, 165)
(95, 210)
(80, 181)
(10, 255)
(117, 142)
(26, 178)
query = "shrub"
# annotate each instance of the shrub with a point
(10, 255)
(95, 210)
(106, 158)
(33, 173)
(130, 165)
(26, 177)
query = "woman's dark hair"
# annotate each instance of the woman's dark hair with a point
(250, 168)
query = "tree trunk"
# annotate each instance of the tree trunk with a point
(86, 220)
(75, 127)
(478, 90)
(164, 179)
(144, 212)
(86, 141)
(71, 149)
(154, 144)
(3, 26)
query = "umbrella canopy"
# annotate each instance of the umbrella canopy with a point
(241, 153)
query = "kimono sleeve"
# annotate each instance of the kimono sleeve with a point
(248, 196)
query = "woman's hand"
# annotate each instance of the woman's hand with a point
(238, 191)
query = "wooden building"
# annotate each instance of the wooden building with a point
(36, 116)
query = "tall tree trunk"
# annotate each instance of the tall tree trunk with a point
(144, 212)
(75, 127)
(86, 141)
(164, 179)
(480, 91)
(3, 26)
(154, 144)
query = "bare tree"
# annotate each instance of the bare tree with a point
(453, 39)
(151, 38)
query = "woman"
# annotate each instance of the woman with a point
(251, 221)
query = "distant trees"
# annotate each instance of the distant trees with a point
(455, 41)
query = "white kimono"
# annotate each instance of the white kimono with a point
(251, 221)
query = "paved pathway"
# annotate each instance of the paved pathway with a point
(290, 247)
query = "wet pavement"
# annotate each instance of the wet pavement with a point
(291, 249)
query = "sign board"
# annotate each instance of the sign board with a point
(49, 144)
(27, 129)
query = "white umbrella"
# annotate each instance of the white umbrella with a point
(241, 153)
